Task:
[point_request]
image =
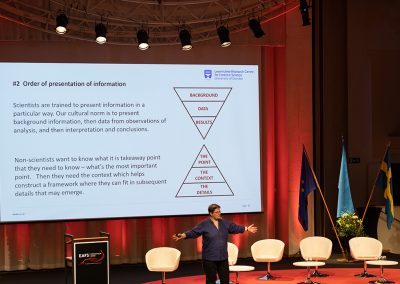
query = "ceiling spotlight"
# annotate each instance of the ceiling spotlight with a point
(143, 39)
(101, 32)
(223, 34)
(304, 12)
(61, 23)
(186, 41)
(255, 26)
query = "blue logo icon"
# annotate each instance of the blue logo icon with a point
(207, 74)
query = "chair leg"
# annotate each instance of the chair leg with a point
(66, 274)
(308, 278)
(268, 276)
(316, 273)
(365, 273)
(163, 277)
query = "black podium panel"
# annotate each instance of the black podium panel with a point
(91, 262)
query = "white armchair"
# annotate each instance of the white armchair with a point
(163, 259)
(233, 253)
(316, 248)
(365, 248)
(268, 250)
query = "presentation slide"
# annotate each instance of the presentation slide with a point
(91, 141)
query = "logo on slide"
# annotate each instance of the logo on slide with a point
(207, 74)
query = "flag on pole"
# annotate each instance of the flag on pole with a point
(345, 203)
(384, 181)
(307, 185)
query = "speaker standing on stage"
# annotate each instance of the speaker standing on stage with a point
(214, 231)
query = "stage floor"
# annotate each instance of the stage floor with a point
(191, 272)
(296, 275)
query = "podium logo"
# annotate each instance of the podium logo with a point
(91, 258)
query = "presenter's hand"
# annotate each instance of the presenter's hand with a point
(252, 228)
(179, 236)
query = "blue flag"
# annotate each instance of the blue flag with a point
(384, 181)
(345, 203)
(307, 185)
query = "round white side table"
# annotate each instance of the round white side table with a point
(308, 264)
(382, 263)
(240, 268)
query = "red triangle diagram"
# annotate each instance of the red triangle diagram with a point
(203, 105)
(204, 178)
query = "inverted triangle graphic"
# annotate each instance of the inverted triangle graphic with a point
(204, 178)
(203, 124)
(203, 105)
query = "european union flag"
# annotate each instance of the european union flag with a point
(307, 185)
(345, 203)
(384, 181)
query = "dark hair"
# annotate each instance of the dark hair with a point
(212, 207)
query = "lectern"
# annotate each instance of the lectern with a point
(89, 259)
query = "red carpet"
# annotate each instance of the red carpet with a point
(295, 275)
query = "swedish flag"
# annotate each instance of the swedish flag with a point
(384, 181)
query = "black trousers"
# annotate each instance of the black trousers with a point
(212, 268)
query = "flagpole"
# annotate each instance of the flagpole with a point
(373, 187)
(326, 207)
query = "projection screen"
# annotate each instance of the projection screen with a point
(88, 141)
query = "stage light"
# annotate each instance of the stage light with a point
(223, 34)
(61, 23)
(143, 39)
(186, 41)
(304, 12)
(255, 26)
(101, 32)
